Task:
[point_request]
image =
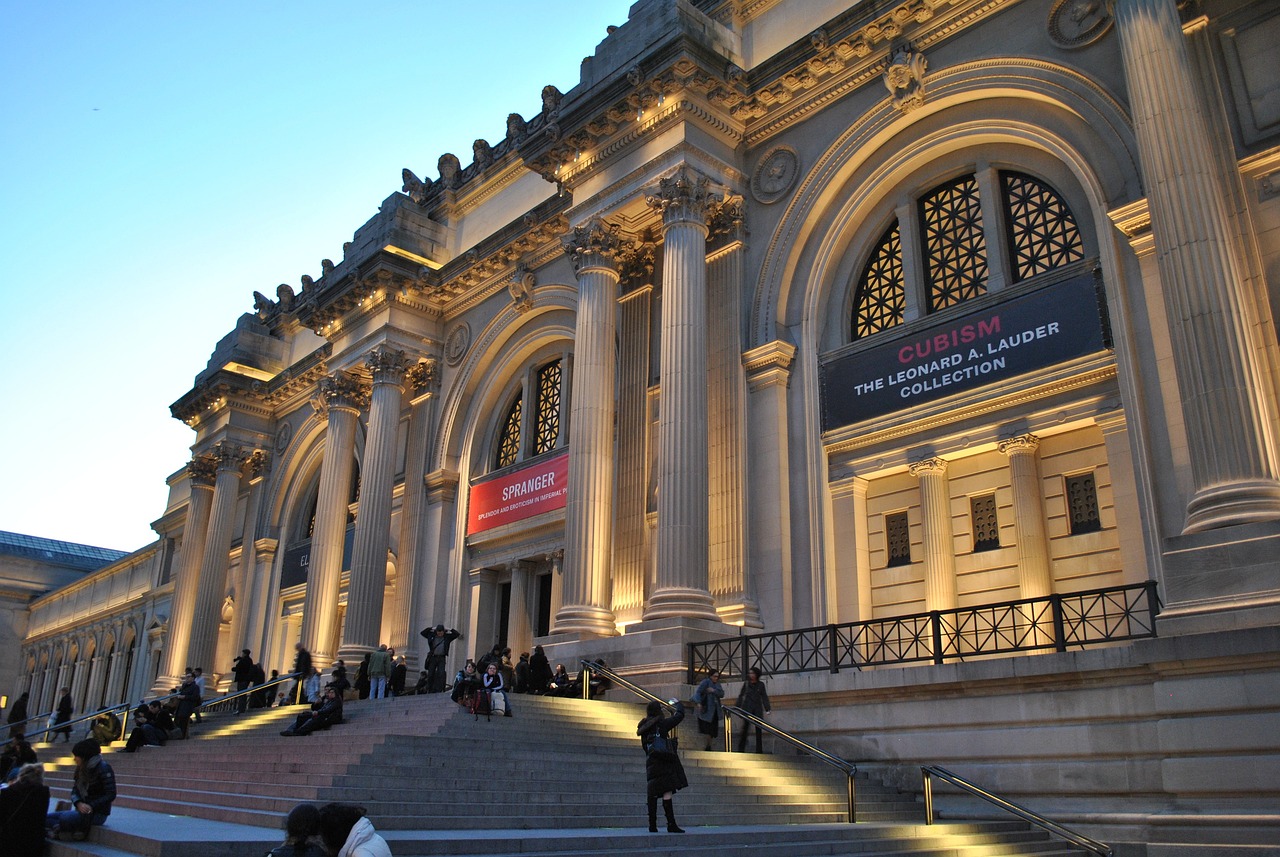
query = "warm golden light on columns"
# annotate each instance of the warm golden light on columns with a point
(201, 472)
(939, 545)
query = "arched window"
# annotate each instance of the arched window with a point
(1039, 235)
(535, 426)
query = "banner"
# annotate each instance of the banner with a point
(1029, 332)
(520, 494)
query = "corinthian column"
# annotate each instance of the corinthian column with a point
(682, 574)
(340, 397)
(1227, 405)
(201, 472)
(939, 546)
(207, 615)
(368, 584)
(588, 525)
(1034, 577)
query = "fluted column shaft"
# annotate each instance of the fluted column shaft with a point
(1227, 406)
(519, 626)
(939, 544)
(207, 615)
(681, 589)
(588, 527)
(422, 381)
(201, 473)
(366, 591)
(1035, 578)
(248, 600)
(340, 397)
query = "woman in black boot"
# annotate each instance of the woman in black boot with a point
(662, 766)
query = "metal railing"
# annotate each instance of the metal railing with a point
(1055, 622)
(849, 769)
(1080, 841)
(221, 703)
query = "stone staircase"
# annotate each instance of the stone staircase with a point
(563, 776)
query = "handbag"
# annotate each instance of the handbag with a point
(663, 746)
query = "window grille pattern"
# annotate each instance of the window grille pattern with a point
(880, 298)
(547, 430)
(1042, 231)
(955, 250)
(509, 439)
(1082, 504)
(898, 535)
(986, 527)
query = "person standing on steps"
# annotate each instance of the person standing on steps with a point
(199, 674)
(17, 714)
(707, 698)
(362, 676)
(379, 672)
(65, 709)
(438, 640)
(663, 772)
(301, 669)
(539, 671)
(242, 669)
(753, 699)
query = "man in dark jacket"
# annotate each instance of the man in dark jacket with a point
(92, 793)
(324, 713)
(438, 640)
(301, 670)
(242, 669)
(17, 714)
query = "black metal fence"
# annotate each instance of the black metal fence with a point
(1056, 622)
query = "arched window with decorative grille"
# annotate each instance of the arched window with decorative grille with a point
(533, 423)
(509, 437)
(1041, 230)
(879, 301)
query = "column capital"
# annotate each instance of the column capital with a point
(229, 456)
(726, 220)
(202, 470)
(593, 245)
(387, 364)
(928, 466)
(342, 391)
(442, 486)
(683, 197)
(1021, 443)
(258, 463)
(423, 378)
(769, 364)
(636, 261)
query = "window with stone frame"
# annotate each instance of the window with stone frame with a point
(1040, 234)
(533, 422)
(1082, 503)
(897, 535)
(986, 526)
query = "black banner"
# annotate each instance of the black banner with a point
(297, 560)
(1003, 340)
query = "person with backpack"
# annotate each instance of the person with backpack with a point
(663, 772)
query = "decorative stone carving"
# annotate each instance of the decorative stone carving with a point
(387, 365)
(307, 282)
(520, 286)
(202, 470)
(340, 390)
(263, 305)
(593, 244)
(775, 174)
(904, 78)
(414, 186)
(284, 297)
(551, 98)
(450, 168)
(457, 343)
(481, 153)
(682, 196)
(1076, 23)
(326, 267)
(636, 263)
(516, 127)
(423, 377)
(284, 434)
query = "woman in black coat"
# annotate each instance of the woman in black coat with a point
(539, 671)
(662, 766)
(23, 806)
(65, 709)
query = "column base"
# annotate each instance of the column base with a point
(349, 653)
(586, 620)
(745, 613)
(1220, 580)
(1233, 503)
(681, 603)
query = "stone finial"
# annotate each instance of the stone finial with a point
(481, 153)
(551, 98)
(326, 267)
(263, 305)
(415, 187)
(904, 78)
(449, 167)
(516, 127)
(285, 297)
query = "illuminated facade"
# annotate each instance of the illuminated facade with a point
(789, 313)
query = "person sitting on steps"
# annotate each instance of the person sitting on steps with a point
(325, 712)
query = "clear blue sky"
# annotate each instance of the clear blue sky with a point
(161, 161)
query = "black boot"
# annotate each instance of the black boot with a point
(653, 814)
(669, 809)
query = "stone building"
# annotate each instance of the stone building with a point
(794, 314)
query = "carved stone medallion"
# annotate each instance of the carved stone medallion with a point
(776, 173)
(284, 434)
(1076, 23)
(456, 344)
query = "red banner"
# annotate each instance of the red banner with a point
(526, 492)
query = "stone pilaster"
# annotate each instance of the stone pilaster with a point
(631, 544)
(1035, 577)
(201, 472)
(207, 615)
(1227, 405)
(340, 397)
(422, 383)
(246, 621)
(681, 589)
(367, 589)
(939, 544)
(519, 624)
(588, 525)
(431, 600)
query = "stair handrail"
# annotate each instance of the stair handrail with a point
(109, 709)
(255, 689)
(1077, 839)
(849, 769)
(35, 718)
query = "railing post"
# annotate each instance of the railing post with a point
(1153, 604)
(1059, 626)
(928, 796)
(742, 641)
(833, 653)
(853, 805)
(584, 674)
(728, 733)
(935, 621)
(689, 672)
